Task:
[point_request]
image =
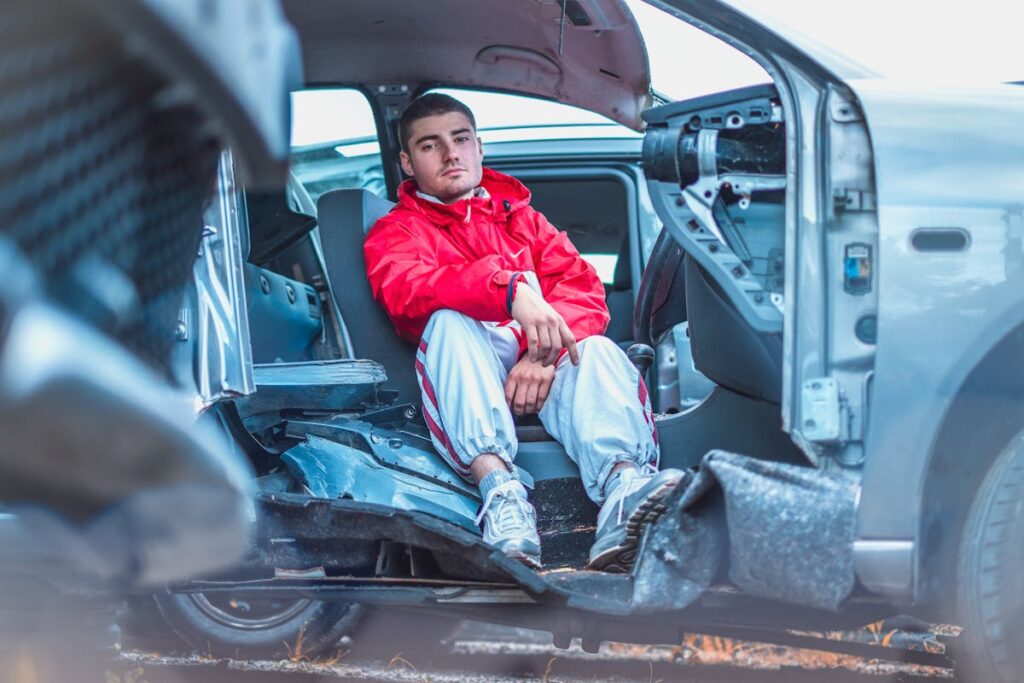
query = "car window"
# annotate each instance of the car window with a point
(594, 214)
(503, 117)
(334, 142)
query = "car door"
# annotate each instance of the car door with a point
(825, 131)
(830, 311)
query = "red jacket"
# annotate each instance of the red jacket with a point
(424, 256)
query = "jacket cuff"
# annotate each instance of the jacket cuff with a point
(497, 293)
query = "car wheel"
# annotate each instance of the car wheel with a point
(222, 625)
(990, 580)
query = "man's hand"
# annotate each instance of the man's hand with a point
(528, 385)
(545, 330)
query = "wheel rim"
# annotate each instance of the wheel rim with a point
(248, 615)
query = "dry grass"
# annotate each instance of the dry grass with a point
(399, 659)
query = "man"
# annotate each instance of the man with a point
(507, 317)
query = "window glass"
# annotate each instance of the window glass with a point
(501, 117)
(334, 142)
(594, 214)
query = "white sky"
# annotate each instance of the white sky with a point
(934, 40)
(916, 40)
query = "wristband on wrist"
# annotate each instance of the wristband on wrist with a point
(510, 295)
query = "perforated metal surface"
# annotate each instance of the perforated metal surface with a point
(104, 173)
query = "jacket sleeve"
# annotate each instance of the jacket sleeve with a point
(569, 283)
(407, 281)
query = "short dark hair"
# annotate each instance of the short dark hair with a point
(431, 104)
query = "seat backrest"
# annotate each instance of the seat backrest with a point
(345, 216)
(619, 297)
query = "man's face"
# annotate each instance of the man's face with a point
(445, 156)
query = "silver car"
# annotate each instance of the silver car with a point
(830, 261)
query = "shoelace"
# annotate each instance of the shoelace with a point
(631, 485)
(512, 510)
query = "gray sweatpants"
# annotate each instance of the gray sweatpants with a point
(599, 410)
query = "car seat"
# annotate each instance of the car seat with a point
(345, 217)
(565, 514)
(619, 298)
(374, 337)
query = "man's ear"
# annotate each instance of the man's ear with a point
(480, 146)
(406, 161)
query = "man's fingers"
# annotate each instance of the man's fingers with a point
(510, 390)
(546, 341)
(545, 352)
(542, 394)
(531, 342)
(531, 398)
(569, 342)
(556, 346)
(556, 343)
(519, 402)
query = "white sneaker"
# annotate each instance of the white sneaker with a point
(630, 508)
(510, 523)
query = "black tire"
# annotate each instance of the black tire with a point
(222, 626)
(990, 575)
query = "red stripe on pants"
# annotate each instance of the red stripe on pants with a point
(435, 428)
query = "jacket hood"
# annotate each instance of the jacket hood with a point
(505, 195)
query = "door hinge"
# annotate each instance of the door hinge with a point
(822, 410)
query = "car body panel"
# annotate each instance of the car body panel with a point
(334, 470)
(945, 159)
(914, 133)
(595, 60)
(213, 323)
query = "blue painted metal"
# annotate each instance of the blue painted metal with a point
(374, 465)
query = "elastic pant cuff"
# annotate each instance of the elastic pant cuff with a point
(606, 472)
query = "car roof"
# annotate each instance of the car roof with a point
(591, 56)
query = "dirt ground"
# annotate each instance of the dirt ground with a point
(417, 650)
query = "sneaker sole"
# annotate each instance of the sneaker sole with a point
(620, 559)
(528, 560)
(515, 551)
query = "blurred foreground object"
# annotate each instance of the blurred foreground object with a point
(113, 118)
